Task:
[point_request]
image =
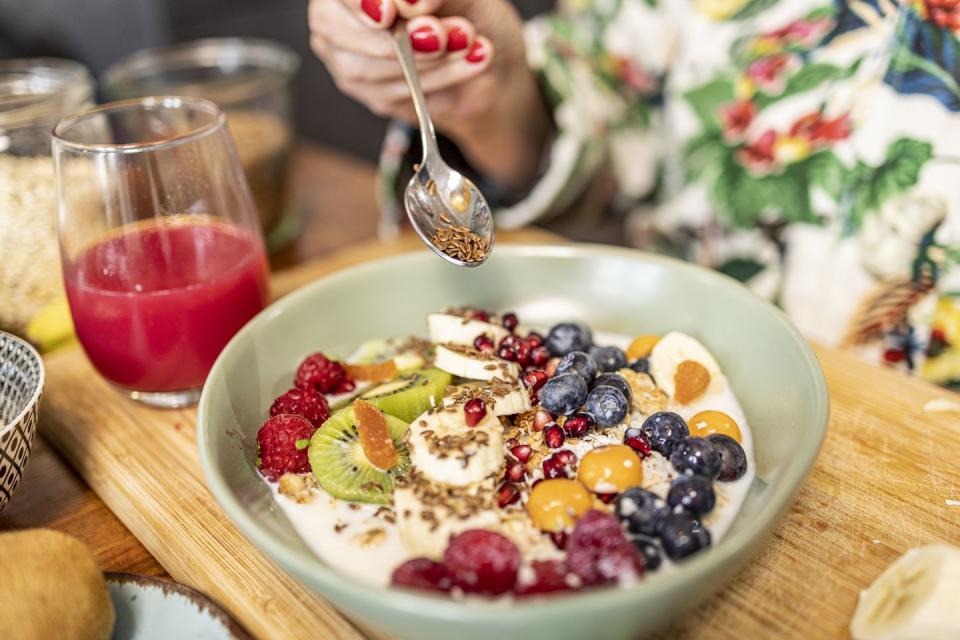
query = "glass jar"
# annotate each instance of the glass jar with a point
(35, 93)
(250, 80)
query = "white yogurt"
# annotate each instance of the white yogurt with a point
(339, 532)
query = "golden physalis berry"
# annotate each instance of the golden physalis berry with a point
(554, 505)
(375, 438)
(641, 347)
(610, 469)
(690, 381)
(376, 372)
(709, 422)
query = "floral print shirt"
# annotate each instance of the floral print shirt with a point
(809, 148)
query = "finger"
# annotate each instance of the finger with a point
(460, 33)
(451, 73)
(427, 36)
(349, 65)
(379, 14)
(340, 24)
(413, 8)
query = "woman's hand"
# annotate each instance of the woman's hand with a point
(471, 60)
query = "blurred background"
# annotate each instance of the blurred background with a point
(98, 33)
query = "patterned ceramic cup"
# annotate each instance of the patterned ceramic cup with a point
(21, 383)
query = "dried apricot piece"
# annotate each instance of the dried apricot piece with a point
(690, 381)
(377, 372)
(641, 347)
(375, 437)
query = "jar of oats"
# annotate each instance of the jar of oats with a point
(250, 79)
(34, 94)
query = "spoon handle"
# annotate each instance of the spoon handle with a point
(428, 137)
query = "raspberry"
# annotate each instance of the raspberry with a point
(482, 562)
(549, 576)
(282, 446)
(305, 403)
(422, 573)
(599, 553)
(320, 374)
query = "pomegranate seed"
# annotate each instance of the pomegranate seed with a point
(509, 341)
(636, 439)
(474, 410)
(541, 419)
(483, 343)
(540, 356)
(559, 539)
(516, 472)
(511, 443)
(553, 436)
(523, 352)
(534, 379)
(506, 495)
(606, 498)
(578, 425)
(510, 321)
(522, 452)
(552, 469)
(506, 353)
(534, 339)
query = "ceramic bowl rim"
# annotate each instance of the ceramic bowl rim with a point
(305, 563)
(41, 380)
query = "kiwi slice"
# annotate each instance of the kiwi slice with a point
(409, 396)
(339, 465)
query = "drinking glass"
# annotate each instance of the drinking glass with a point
(162, 255)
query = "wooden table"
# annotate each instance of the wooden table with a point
(886, 479)
(337, 193)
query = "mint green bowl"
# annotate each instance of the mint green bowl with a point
(772, 369)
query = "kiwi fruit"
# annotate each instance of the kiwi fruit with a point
(340, 467)
(409, 396)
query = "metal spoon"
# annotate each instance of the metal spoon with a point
(440, 202)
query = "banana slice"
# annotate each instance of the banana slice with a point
(472, 364)
(503, 398)
(676, 347)
(428, 514)
(445, 450)
(445, 327)
(915, 598)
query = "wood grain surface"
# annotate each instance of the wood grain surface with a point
(881, 485)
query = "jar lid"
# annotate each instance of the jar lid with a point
(34, 90)
(225, 70)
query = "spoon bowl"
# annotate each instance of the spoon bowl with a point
(446, 209)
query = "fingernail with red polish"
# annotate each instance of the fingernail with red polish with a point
(373, 9)
(456, 39)
(477, 52)
(424, 40)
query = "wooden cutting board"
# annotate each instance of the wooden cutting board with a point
(888, 478)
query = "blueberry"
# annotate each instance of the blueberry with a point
(650, 550)
(665, 431)
(615, 380)
(696, 456)
(606, 405)
(641, 366)
(579, 363)
(682, 535)
(566, 337)
(693, 493)
(563, 394)
(609, 358)
(641, 511)
(733, 460)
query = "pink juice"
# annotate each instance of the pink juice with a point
(154, 307)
